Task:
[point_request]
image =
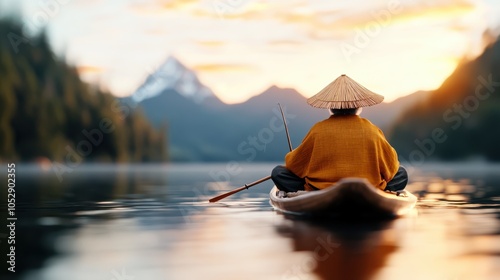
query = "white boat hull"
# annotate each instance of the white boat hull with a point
(350, 196)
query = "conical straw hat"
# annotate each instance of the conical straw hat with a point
(344, 93)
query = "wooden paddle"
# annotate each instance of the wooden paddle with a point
(246, 186)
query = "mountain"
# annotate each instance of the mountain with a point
(250, 131)
(383, 115)
(460, 119)
(202, 128)
(173, 75)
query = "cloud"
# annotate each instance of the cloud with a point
(88, 3)
(227, 12)
(336, 22)
(223, 68)
(284, 43)
(443, 9)
(247, 10)
(211, 44)
(459, 27)
(157, 31)
(176, 4)
(145, 9)
(160, 6)
(89, 69)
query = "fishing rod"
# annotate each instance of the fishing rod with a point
(286, 128)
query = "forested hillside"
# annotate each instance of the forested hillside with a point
(458, 121)
(47, 112)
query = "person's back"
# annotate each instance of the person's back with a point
(344, 145)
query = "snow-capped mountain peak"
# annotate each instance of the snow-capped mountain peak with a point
(172, 74)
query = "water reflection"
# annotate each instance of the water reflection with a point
(154, 222)
(342, 250)
(47, 206)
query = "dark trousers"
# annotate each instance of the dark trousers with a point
(286, 181)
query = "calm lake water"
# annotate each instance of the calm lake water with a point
(154, 222)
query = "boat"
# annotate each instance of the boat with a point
(348, 197)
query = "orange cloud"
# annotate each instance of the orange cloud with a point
(441, 10)
(297, 18)
(335, 23)
(229, 14)
(176, 4)
(222, 67)
(329, 23)
(88, 69)
(235, 10)
(160, 6)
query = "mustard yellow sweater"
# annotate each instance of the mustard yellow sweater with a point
(343, 146)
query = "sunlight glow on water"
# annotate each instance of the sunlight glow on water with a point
(161, 226)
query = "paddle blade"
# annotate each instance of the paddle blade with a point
(219, 197)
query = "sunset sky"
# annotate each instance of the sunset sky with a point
(240, 47)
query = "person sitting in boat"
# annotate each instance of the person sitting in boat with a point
(344, 145)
